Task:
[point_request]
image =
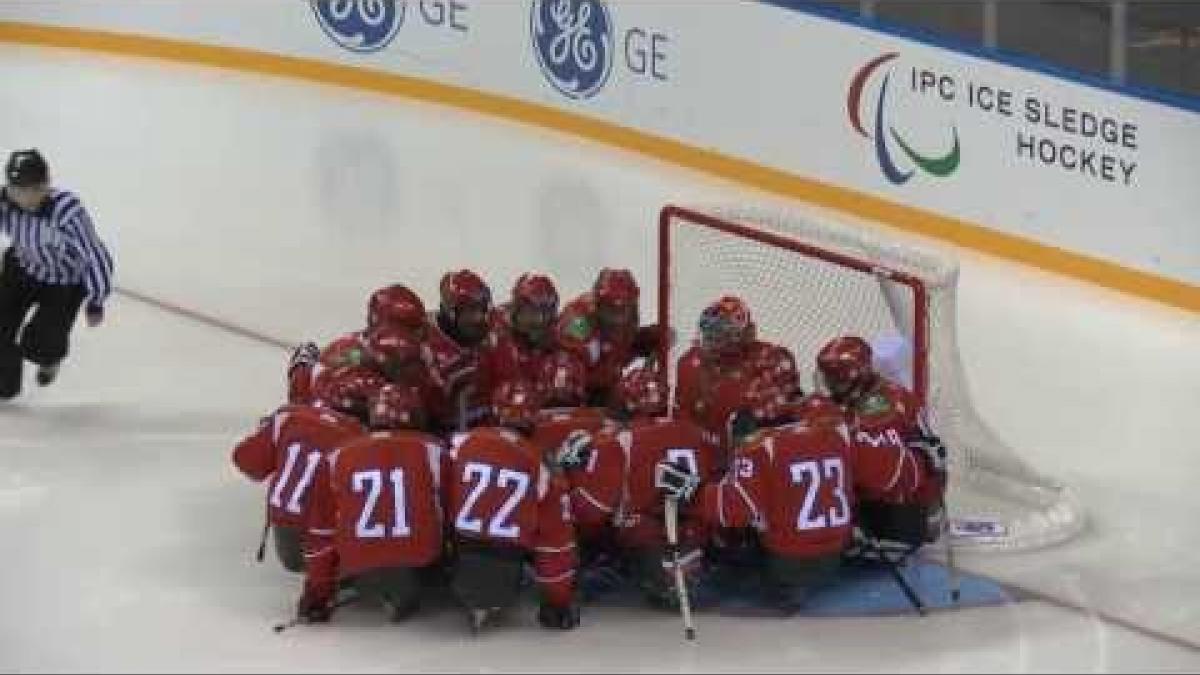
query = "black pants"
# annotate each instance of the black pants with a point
(398, 587)
(288, 548)
(908, 524)
(487, 576)
(45, 339)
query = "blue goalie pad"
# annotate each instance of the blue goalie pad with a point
(860, 588)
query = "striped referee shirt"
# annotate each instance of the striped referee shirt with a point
(56, 244)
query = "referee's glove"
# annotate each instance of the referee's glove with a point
(95, 315)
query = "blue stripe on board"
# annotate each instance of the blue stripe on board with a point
(1146, 93)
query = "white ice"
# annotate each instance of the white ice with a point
(127, 535)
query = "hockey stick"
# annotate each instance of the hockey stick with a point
(262, 541)
(685, 605)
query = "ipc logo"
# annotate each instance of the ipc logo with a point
(573, 41)
(360, 25)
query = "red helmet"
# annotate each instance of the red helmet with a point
(396, 407)
(563, 379)
(391, 349)
(725, 326)
(537, 290)
(845, 365)
(641, 393)
(515, 404)
(463, 287)
(396, 305)
(616, 287)
(778, 365)
(534, 307)
(347, 388)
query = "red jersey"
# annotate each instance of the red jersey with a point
(604, 356)
(709, 393)
(642, 445)
(458, 368)
(500, 492)
(794, 485)
(289, 446)
(886, 470)
(595, 490)
(504, 358)
(375, 505)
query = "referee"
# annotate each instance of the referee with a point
(55, 264)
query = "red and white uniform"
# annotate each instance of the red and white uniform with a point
(605, 356)
(499, 492)
(886, 470)
(642, 445)
(504, 358)
(708, 393)
(594, 497)
(289, 447)
(458, 368)
(794, 484)
(375, 504)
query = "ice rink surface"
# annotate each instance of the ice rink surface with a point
(277, 206)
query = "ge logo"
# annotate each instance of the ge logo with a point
(573, 41)
(360, 25)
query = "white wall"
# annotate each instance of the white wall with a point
(771, 86)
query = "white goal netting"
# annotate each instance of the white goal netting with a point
(807, 281)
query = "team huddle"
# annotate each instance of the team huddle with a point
(483, 448)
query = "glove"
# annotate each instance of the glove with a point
(305, 354)
(932, 448)
(558, 617)
(576, 450)
(676, 481)
(94, 315)
(314, 606)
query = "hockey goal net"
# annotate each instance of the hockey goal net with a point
(808, 281)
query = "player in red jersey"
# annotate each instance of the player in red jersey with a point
(374, 517)
(713, 374)
(520, 337)
(899, 462)
(504, 503)
(291, 442)
(645, 438)
(563, 432)
(791, 483)
(395, 305)
(402, 359)
(456, 335)
(602, 328)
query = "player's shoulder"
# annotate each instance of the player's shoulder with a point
(441, 344)
(895, 391)
(489, 437)
(405, 439)
(63, 204)
(300, 418)
(887, 397)
(691, 358)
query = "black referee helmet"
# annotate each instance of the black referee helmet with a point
(26, 168)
